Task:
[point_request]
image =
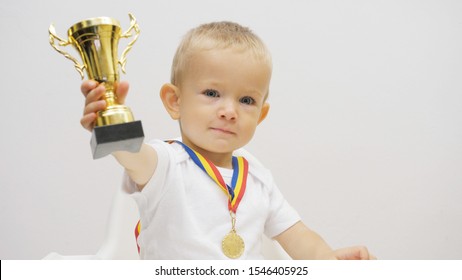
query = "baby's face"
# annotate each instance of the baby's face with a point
(222, 100)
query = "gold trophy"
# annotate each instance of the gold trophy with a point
(96, 40)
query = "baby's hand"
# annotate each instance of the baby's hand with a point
(93, 93)
(353, 253)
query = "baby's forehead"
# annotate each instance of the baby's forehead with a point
(219, 66)
(198, 55)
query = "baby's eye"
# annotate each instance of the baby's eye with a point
(247, 100)
(211, 93)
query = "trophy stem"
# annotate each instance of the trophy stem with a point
(109, 96)
(114, 113)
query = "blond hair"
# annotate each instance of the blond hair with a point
(217, 35)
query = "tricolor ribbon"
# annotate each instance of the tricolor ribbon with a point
(236, 191)
(137, 233)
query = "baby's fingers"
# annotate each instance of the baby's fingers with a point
(87, 86)
(94, 94)
(90, 114)
(94, 107)
(122, 91)
(88, 121)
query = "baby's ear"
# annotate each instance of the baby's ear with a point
(170, 97)
(264, 112)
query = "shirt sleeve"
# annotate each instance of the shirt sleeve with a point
(156, 186)
(281, 215)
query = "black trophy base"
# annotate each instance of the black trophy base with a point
(117, 137)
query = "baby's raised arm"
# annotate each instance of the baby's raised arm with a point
(139, 166)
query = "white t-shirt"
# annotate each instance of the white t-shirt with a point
(184, 214)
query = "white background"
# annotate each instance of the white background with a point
(364, 135)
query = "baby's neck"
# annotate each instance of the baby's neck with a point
(220, 160)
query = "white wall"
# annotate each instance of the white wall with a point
(364, 134)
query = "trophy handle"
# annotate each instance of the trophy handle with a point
(127, 34)
(79, 67)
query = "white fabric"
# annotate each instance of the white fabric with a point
(184, 214)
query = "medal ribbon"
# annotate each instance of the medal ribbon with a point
(236, 191)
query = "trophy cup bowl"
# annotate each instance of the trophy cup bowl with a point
(96, 40)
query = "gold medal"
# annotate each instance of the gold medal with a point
(233, 245)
